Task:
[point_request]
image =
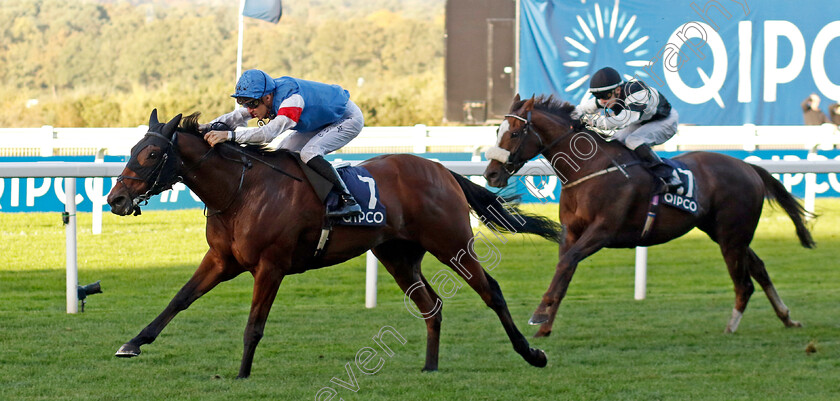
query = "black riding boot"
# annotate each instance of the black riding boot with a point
(658, 167)
(348, 205)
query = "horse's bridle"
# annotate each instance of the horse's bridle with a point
(514, 164)
(157, 185)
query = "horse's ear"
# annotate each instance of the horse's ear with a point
(153, 120)
(169, 128)
(516, 99)
(529, 105)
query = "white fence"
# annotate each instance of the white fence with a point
(49, 141)
(60, 169)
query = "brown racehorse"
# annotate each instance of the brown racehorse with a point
(268, 223)
(601, 208)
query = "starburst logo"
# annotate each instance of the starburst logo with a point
(608, 37)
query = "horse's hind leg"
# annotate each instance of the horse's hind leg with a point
(736, 263)
(491, 294)
(759, 273)
(402, 260)
(211, 272)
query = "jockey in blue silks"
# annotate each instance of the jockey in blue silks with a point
(322, 117)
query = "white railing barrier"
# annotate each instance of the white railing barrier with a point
(51, 141)
(472, 168)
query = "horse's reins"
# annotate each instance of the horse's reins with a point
(530, 129)
(246, 165)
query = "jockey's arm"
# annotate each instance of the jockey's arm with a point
(234, 119)
(287, 118)
(631, 111)
(588, 106)
(613, 121)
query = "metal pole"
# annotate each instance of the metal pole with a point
(370, 280)
(72, 269)
(641, 272)
(239, 45)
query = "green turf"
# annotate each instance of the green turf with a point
(605, 345)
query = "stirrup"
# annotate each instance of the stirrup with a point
(673, 185)
(349, 208)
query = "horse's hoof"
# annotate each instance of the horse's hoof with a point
(793, 323)
(127, 351)
(538, 318)
(428, 369)
(538, 358)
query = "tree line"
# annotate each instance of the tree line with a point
(108, 63)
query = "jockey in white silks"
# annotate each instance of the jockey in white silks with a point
(638, 115)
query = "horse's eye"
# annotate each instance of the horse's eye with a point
(153, 154)
(514, 134)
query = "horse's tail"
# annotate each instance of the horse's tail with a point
(776, 193)
(504, 214)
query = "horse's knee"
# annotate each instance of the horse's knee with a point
(433, 323)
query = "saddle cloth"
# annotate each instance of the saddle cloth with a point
(685, 198)
(363, 187)
(360, 184)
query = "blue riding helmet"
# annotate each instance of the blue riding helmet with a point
(254, 84)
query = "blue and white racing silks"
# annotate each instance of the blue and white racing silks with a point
(302, 105)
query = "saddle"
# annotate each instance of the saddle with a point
(360, 184)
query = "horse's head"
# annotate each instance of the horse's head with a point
(518, 141)
(150, 170)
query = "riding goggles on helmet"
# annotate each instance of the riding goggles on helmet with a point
(248, 102)
(603, 95)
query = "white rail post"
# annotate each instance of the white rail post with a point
(72, 268)
(97, 198)
(641, 272)
(372, 264)
(421, 132)
(46, 141)
(811, 186)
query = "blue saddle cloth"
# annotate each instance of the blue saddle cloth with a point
(363, 187)
(687, 200)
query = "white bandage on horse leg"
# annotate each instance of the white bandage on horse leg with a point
(497, 153)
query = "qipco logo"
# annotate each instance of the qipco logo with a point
(697, 35)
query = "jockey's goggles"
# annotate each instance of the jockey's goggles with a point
(603, 95)
(248, 102)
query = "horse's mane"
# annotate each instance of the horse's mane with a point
(189, 125)
(555, 107)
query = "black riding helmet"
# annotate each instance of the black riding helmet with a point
(605, 79)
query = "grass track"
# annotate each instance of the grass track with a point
(605, 346)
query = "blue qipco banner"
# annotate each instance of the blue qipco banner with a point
(719, 62)
(47, 194)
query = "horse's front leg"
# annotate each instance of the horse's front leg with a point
(212, 270)
(267, 279)
(572, 252)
